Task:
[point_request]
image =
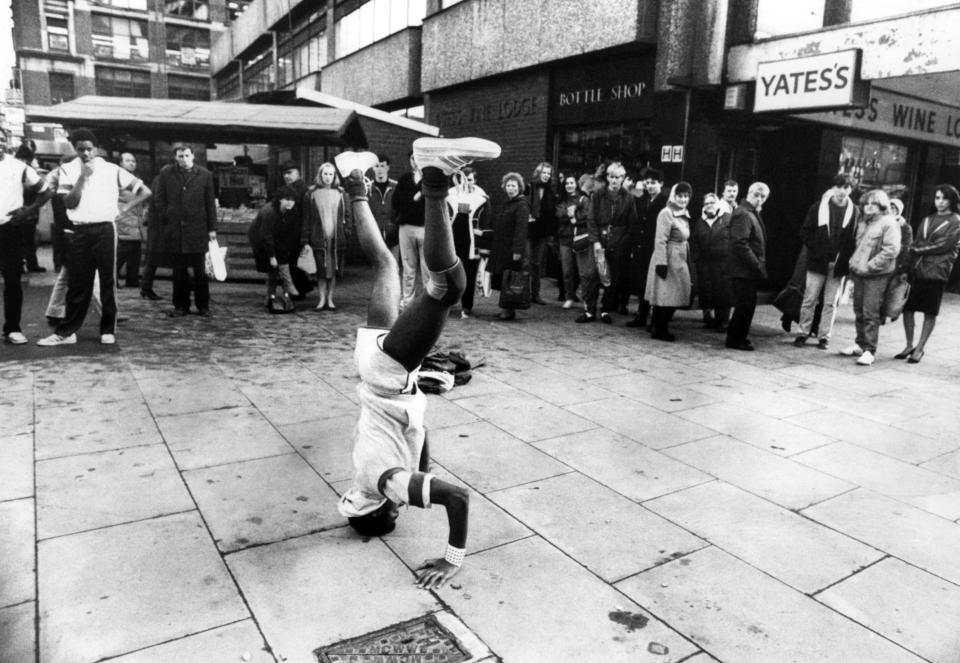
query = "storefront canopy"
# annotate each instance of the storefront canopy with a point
(175, 120)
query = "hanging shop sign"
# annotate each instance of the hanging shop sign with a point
(606, 92)
(817, 82)
(898, 115)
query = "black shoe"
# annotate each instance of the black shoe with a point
(586, 317)
(204, 313)
(637, 322)
(800, 341)
(746, 346)
(507, 315)
(605, 318)
(537, 300)
(177, 313)
(663, 335)
(150, 294)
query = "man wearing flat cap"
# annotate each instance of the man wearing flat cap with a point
(290, 170)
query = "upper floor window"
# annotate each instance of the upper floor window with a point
(187, 47)
(198, 9)
(58, 33)
(62, 87)
(375, 20)
(118, 37)
(138, 5)
(122, 82)
(187, 87)
(302, 52)
(258, 73)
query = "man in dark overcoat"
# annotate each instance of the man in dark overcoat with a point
(748, 263)
(187, 216)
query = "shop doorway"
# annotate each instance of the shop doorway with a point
(581, 149)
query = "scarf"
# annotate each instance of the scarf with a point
(823, 213)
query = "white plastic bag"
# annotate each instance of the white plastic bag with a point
(482, 284)
(306, 261)
(216, 261)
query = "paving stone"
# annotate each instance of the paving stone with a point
(764, 378)
(319, 589)
(421, 534)
(892, 408)
(481, 383)
(17, 563)
(875, 597)
(554, 386)
(442, 413)
(178, 395)
(18, 633)
(16, 414)
(789, 547)
(909, 447)
(908, 483)
(641, 423)
(291, 401)
(16, 468)
(262, 500)
(234, 642)
(759, 430)
(725, 606)
(584, 367)
(671, 372)
(656, 393)
(326, 444)
(78, 429)
(92, 384)
(623, 465)
(523, 416)
(849, 382)
(529, 602)
(486, 458)
(119, 589)
(203, 439)
(604, 531)
(754, 399)
(915, 536)
(948, 464)
(780, 480)
(77, 493)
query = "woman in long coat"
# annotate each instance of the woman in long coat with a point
(509, 235)
(710, 248)
(668, 277)
(326, 213)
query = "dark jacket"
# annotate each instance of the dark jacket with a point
(934, 249)
(565, 229)
(823, 245)
(381, 204)
(408, 211)
(509, 234)
(748, 244)
(710, 252)
(611, 218)
(185, 209)
(644, 231)
(274, 235)
(544, 224)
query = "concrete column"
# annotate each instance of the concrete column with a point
(692, 42)
(836, 12)
(742, 21)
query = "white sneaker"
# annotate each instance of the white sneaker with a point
(16, 338)
(852, 351)
(568, 304)
(56, 339)
(107, 339)
(866, 358)
(347, 162)
(464, 315)
(452, 154)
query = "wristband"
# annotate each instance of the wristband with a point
(454, 555)
(359, 199)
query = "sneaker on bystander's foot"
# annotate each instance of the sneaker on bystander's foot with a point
(56, 339)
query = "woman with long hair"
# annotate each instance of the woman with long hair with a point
(325, 218)
(933, 252)
(576, 256)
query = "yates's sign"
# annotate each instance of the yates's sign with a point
(818, 82)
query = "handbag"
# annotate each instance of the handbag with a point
(895, 296)
(581, 242)
(215, 261)
(515, 289)
(306, 262)
(280, 301)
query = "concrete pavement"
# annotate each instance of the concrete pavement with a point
(172, 498)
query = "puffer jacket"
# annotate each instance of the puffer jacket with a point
(877, 246)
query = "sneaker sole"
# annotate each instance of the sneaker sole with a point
(467, 148)
(50, 345)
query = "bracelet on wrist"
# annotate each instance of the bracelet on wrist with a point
(454, 555)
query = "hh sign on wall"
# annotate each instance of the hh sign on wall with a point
(830, 80)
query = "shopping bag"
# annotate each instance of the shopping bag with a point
(603, 267)
(515, 289)
(216, 261)
(306, 262)
(280, 301)
(895, 296)
(482, 284)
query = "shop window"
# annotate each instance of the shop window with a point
(197, 9)
(58, 33)
(374, 20)
(137, 5)
(776, 17)
(119, 38)
(62, 87)
(871, 10)
(581, 149)
(187, 87)
(122, 82)
(874, 164)
(188, 47)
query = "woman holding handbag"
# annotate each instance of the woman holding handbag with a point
(509, 238)
(273, 238)
(573, 207)
(933, 253)
(325, 218)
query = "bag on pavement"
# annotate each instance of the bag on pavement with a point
(306, 262)
(515, 289)
(895, 296)
(280, 301)
(216, 261)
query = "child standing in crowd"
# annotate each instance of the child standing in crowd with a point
(274, 237)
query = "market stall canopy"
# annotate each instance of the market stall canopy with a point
(205, 121)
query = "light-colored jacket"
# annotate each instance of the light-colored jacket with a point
(670, 249)
(877, 246)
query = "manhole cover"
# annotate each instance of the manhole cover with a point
(421, 640)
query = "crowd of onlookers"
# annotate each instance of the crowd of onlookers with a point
(615, 245)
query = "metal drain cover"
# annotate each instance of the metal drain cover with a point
(421, 640)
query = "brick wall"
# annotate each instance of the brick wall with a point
(26, 24)
(36, 87)
(510, 110)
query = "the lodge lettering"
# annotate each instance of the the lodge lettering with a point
(507, 109)
(836, 77)
(597, 95)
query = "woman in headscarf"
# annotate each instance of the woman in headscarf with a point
(668, 277)
(326, 214)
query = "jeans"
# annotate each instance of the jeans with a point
(537, 254)
(413, 263)
(589, 281)
(867, 300)
(568, 264)
(830, 286)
